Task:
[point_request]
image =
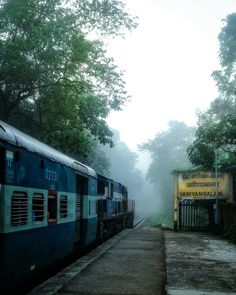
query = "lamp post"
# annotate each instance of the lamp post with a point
(216, 188)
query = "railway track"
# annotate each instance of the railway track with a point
(138, 221)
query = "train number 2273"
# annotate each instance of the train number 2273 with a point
(51, 175)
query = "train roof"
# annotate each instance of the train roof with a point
(16, 137)
(107, 179)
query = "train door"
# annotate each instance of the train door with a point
(81, 183)
(52, 207)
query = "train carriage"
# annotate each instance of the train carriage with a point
(50, 206)
(114, 211)
(47, 204)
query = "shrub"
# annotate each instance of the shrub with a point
(230, 234)
(157, 221)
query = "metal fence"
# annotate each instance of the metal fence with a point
(196, 215)
(200, 215)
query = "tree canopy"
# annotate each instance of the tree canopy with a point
(216, 131)
(118, 163)
(168, 152)
(54, 75)
(217, 126)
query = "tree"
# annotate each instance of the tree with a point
(53, 73)
(119, 163)
(123, 166)
(98, 159)
(168, 153)
(217, 126)
(216, 130)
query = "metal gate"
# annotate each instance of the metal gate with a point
(196, 215)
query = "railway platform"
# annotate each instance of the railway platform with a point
(147, 260)
(199, 264)
(132, 262)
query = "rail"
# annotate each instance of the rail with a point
(140, 219)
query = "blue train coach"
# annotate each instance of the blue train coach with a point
(50, 205)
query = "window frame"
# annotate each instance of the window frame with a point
(35, 217)
(21, 208)
(63, 215)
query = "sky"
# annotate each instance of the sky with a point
(167, 63)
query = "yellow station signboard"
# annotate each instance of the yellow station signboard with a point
(202, 185)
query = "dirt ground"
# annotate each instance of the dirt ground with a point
(197, 262)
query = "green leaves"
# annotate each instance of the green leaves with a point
(217, 126)
(105, 16)
(52, 72)
(227, 39)
(168, 153)
(216, 130)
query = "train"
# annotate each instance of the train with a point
(51, 206)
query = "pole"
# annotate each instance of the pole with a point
(216, 188)
(175, 215)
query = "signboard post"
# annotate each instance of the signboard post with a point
(216, 187)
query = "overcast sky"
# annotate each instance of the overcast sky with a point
(168, 61)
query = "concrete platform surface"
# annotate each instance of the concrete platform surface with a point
(133, 262)
(198, 263)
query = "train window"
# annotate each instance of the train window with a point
(52, 208)
(101, 188)
(63, 207)
(19, 208)
(38, 207)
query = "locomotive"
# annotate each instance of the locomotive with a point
(50, 206)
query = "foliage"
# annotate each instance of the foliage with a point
(119, 163)
(98, 159)
(216, 130)
(159, 220)
(53, 75)
(231, 233)
(168, 152)
(217, 126)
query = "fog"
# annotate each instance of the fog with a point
(167, 62)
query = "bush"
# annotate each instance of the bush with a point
(157, 221)
(231, 233)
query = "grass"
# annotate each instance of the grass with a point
(157, 221)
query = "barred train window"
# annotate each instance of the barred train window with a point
(19, 208)
(38, 207)
(63, 207)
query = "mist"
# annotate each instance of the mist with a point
(148, 173)
(167, 61)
